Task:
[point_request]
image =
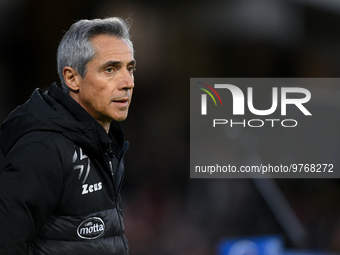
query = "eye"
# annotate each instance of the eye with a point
(109, 70)
(131, 69)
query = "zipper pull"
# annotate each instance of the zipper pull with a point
(111, 170)
(110, 156)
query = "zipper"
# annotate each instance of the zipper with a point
(110, 155)
(120, 218)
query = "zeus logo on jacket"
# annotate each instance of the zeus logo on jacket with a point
(82, 162)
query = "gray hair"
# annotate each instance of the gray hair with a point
(75, 49)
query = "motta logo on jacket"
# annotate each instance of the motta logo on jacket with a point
(91, 228)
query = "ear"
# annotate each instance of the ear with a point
(72, 78)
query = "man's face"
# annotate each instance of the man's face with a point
(106, 89)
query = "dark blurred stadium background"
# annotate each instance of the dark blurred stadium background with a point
(165, 211)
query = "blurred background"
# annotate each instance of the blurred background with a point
(165, 211)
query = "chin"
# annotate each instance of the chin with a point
(120, 118)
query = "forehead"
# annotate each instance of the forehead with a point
(106, 45)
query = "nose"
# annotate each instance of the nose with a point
(127, 80)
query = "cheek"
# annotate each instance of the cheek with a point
(93, 99)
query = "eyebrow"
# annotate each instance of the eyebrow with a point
(114, 63)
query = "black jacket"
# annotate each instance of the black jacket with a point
(60, 179)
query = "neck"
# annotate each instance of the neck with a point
(105, 125)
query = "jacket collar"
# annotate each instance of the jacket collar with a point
(115, 137)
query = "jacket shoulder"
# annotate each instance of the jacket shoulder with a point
(47, 144)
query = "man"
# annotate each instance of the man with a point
(62, 151)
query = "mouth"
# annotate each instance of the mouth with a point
(121, 101)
